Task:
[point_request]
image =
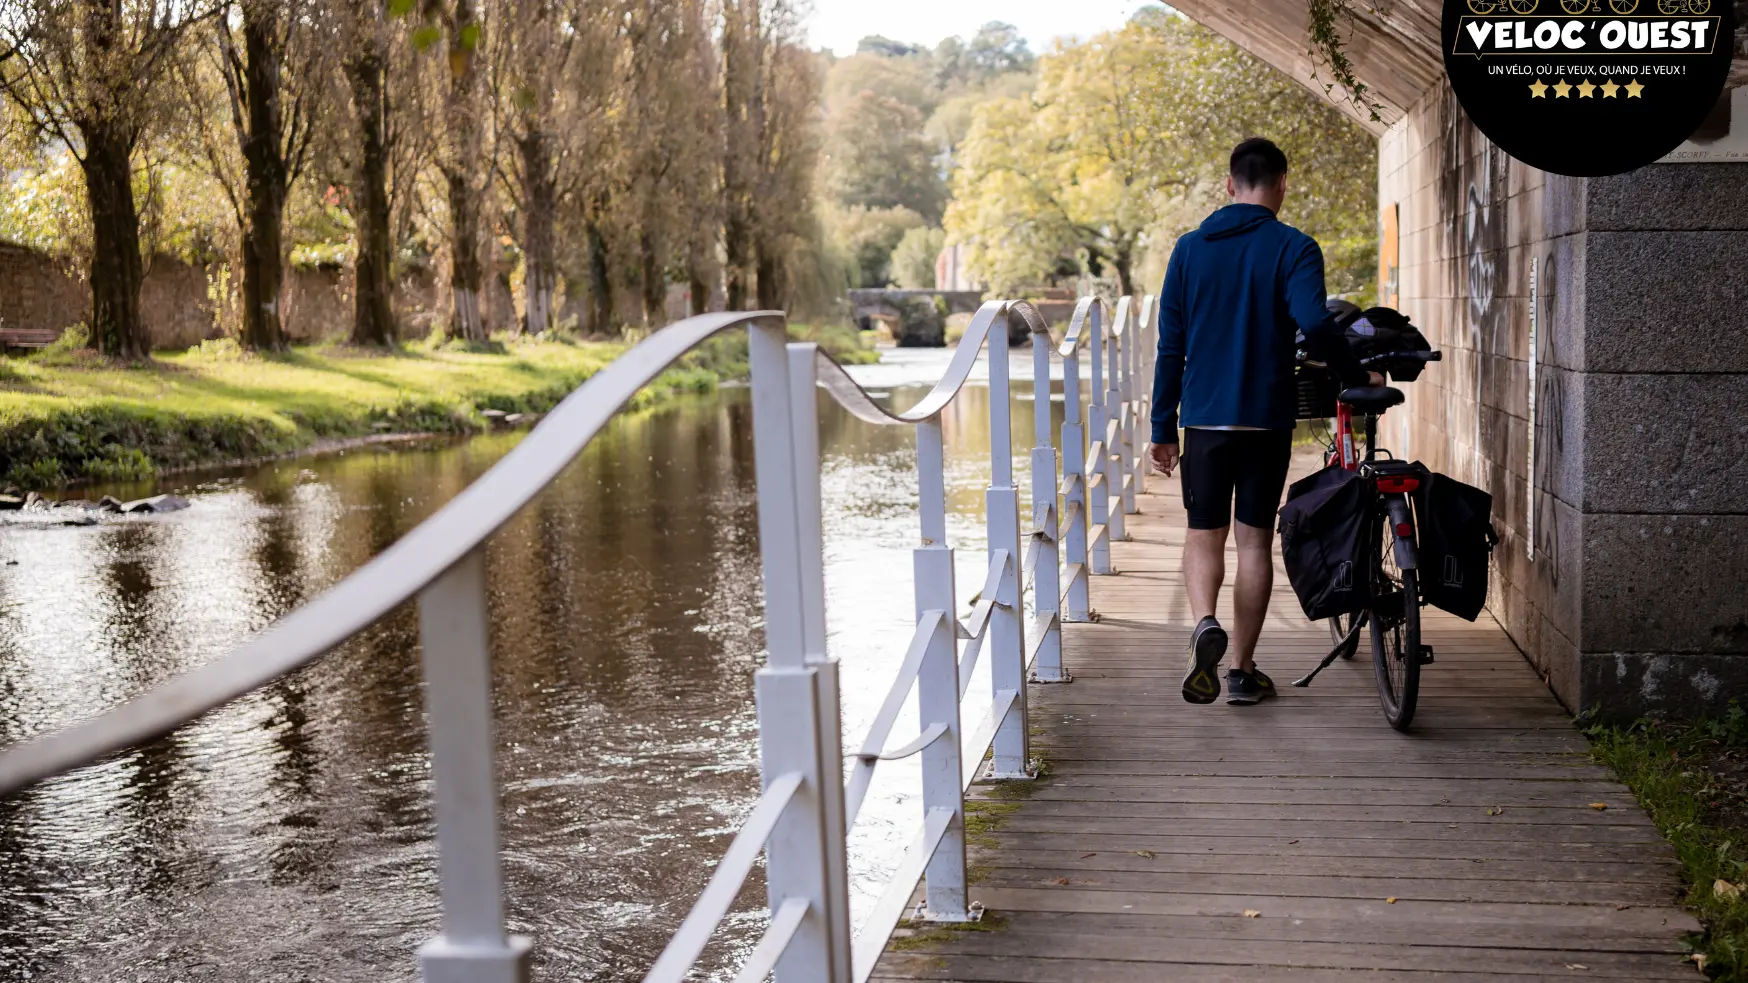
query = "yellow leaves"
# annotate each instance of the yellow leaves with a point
(1725, 891)
(1144, 854)
(1496, 811)
(1599, 806)
(1252, 913)
(1389, 900)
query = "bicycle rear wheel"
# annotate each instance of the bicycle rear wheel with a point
(1395, 633)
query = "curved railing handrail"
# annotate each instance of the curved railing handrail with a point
(801, 818)
(394, 577)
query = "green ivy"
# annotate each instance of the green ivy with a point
(1327, 50)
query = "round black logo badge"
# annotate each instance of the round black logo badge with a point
(1588, 87)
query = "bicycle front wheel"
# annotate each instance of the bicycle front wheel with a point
(1395, 634)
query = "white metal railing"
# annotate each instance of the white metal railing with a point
(1079, 498)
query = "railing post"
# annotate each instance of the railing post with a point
(944, 896)
(1099, 494)
(1078, 606)
(1143, 392)
(454, 648)
(1046, 569)
(1131, 449)
(1116, 410)
(804, 416)
(798, 854)
(1007, 633)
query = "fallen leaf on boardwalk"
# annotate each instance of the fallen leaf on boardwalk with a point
(1291, 842)
(1148, 854)
(1725, 890)
(1086, 855)
(1252, 913)
(1060, 880)
(1699, 959)
(1389, 900)
(1496, 811)
(1576, 966)
(1599, 806)
(1622, 907)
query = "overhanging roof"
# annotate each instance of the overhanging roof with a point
(1393, 44)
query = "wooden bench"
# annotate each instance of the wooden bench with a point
(27, 337)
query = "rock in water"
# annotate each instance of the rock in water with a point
(109, 503)
(10, 503)
(158, 503)
(922, 322)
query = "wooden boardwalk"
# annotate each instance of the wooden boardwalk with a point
(1302, 839)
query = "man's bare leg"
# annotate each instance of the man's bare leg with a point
(1250, 591)
(1204, 568)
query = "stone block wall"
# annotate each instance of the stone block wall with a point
(1623, 512)
(38, 291)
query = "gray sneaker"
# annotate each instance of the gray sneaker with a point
(1244, 688)
(1207, 647)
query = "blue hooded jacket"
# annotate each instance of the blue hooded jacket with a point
(1237, 291)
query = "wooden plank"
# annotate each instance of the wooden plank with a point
(1160, 824)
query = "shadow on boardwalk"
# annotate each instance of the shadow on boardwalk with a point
(1304, 839)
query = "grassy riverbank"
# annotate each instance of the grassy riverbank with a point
(1693, 779)
(66, 418)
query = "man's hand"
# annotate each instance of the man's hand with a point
(1164, 457)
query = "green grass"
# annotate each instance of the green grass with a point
(845, 344)
(66, 417)
(1672, 770)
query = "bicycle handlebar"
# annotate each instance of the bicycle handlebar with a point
(1389, 357)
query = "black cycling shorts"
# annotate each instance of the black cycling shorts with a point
(1224, 466)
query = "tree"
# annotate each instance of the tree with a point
(869, 236)
(879, 158)
(1124, 144)
(85, 73)
(913, 261)
(272, 117)
(538, 42)
(461, 162)
(997, 49)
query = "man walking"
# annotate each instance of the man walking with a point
(1237, 291)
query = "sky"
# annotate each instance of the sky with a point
(839, 24)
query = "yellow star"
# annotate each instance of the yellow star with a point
(1609, 89)
(1562, 90)
(1538, 90)
(1634, 89)
(1586, 90)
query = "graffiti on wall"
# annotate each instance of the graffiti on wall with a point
(1550, 430)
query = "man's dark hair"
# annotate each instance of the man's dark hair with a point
(1257, 163)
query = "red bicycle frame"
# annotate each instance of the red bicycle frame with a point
(1346, 450)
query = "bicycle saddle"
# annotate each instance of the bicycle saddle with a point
(1372, 399)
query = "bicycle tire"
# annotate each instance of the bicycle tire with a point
(1575, 7)
(1395, 633)
(1623, 7)
(1524, 8)
(1339, 626)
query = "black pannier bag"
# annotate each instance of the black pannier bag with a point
(1456, 537)
(1324, 533)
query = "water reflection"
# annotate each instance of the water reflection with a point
(288, 836)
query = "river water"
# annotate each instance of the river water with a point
(288, 836)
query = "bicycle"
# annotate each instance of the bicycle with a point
(1393, 610)
(1673, 7)
(1522, 8)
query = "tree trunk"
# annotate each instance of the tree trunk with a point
(601, 314)
(770, 287)
(117, 329)
(540, 273)
(264, 165)
(734, 241)
(465, 272)
(1124, 261)
(373, 316)
(654, 282)
(697, 286)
